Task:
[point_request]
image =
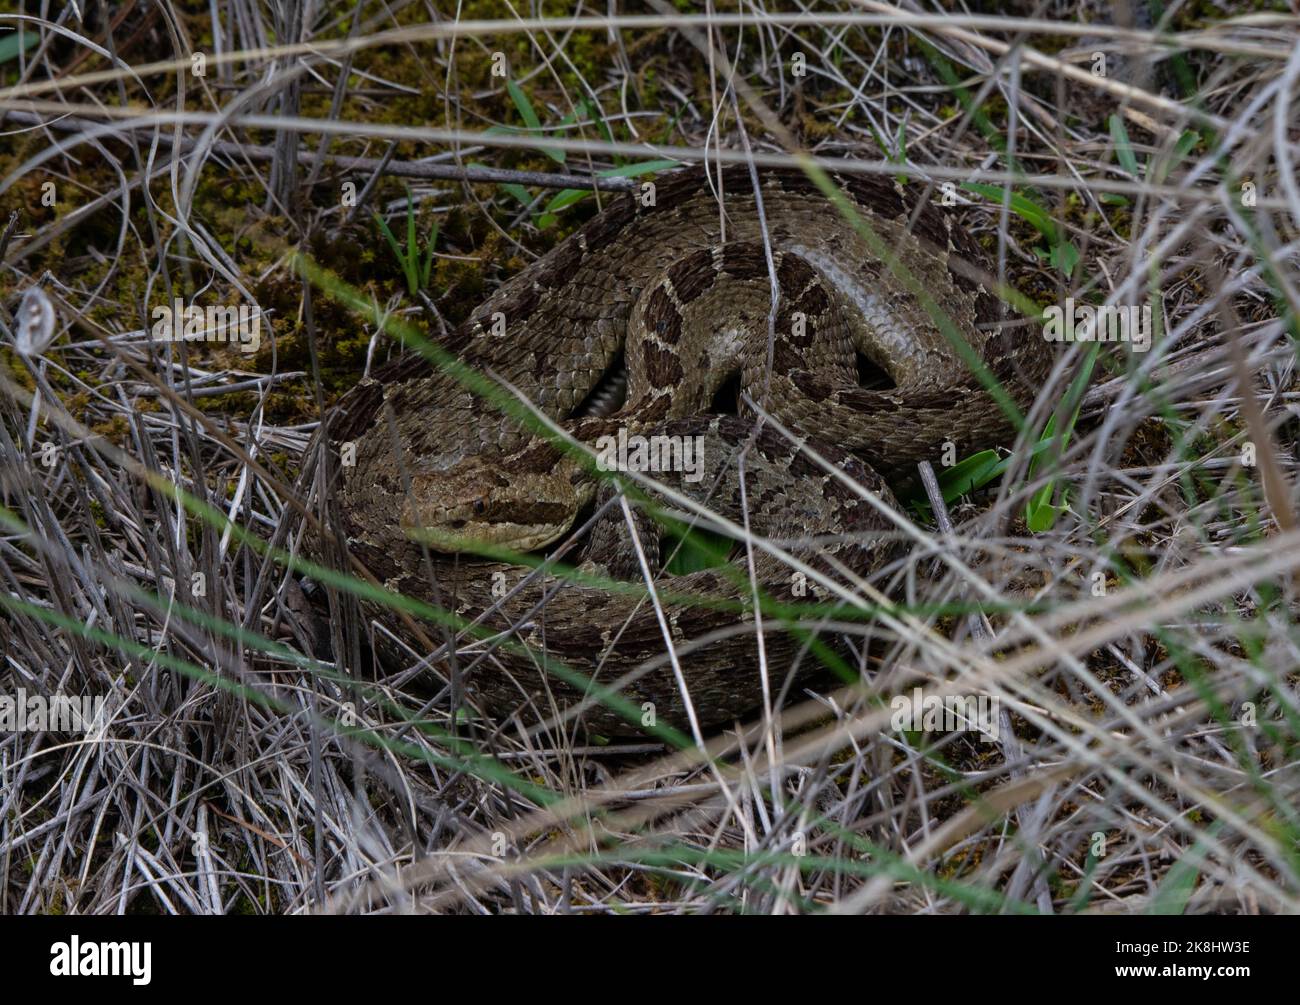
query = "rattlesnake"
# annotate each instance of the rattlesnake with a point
(651, 288)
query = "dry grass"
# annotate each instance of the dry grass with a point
(255, 759)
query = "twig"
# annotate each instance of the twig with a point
(404, 169)
(10, 226)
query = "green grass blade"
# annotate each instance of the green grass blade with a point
(1124, 147)
(534, 124)
(12, 43)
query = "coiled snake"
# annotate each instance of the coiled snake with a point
(655, 289)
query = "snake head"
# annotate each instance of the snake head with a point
(481, 504)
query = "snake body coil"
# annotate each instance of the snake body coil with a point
(678, 294)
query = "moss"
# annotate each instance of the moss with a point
(15, 369)
(117, 430)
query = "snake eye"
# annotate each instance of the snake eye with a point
(479, 507)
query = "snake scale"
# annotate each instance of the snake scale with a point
(671, 298)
